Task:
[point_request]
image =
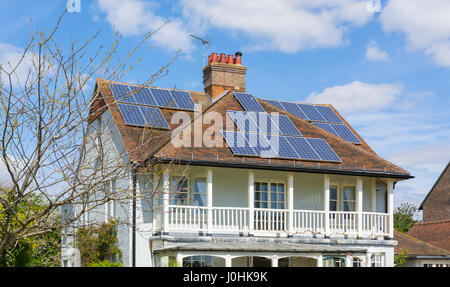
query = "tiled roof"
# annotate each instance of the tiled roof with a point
(436, 233)
(414, 246)
(156, 144)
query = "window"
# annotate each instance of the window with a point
(180, 189)
(194, 194)
(198, 195)
(356, 262)
(348, 198)
(333, 197)
(203, 261)
(272, 197)
(334, 261)
(377, 260)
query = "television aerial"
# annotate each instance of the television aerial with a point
(204, 43)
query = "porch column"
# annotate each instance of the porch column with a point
(251, 199)
(326, 204)
(359, 203)
(373, 191)
(228, 261)
(179, 259)
(166, 193)
(209, 199)
(390, 201)
(274, 261)
(290, 203)
(319, 261)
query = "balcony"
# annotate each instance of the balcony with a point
(270, 221)
(240, 201)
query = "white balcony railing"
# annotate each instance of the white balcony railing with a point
(375, 223)
(233, 219)
(309, 221)
(343, 222)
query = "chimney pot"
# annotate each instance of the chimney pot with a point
(223, 58)
(238, 59)
(230, 59)
(214, 58)
(209, 59)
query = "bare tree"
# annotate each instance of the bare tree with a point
(47, 146)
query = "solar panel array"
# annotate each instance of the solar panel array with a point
(279, 146)
(340, 130)
(308, 112)
(152, 97)
(143, 116)
(249, 102)
(252, 122)
(322, 116)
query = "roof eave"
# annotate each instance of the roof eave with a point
(284, 168)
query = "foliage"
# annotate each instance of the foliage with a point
(404, 217)
(104, 263)
(400, 258)
(41, 249)
(173, 262)
(98, 245)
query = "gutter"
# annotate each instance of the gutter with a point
(284, 168)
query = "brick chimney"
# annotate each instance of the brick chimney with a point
(224, 73)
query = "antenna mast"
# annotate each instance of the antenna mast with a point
(204, 43)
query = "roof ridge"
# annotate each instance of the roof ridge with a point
(147, 86)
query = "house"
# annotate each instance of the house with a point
(224, 178)
(420, 253)
(436, 205)
(435, 227)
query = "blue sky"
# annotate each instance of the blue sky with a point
(387, 72)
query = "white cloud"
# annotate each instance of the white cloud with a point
(373, 53)
(135, 17)
(426, 24)
(284, 25)
(10, 56)
(358, 96)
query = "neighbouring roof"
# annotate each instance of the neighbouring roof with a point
(415, 247)
(261, 247)
(443, 182)
(436, 233)
(156, 144)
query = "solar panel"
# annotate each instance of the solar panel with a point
(311, 113)
(328, 114)
(143, 96)
(294, 109)
(163, 98)
(324, 151)
(183, 100)
(341, 130)
(238, 143)
(142, 116)
(287, 147)
(303, 149)
(344, 132)
(276, 104)
(122, 94)
(249, 102)
(263, 123)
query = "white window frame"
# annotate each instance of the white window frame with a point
(269, 193)
(350, 201)
(378, 259)
(337, 197)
